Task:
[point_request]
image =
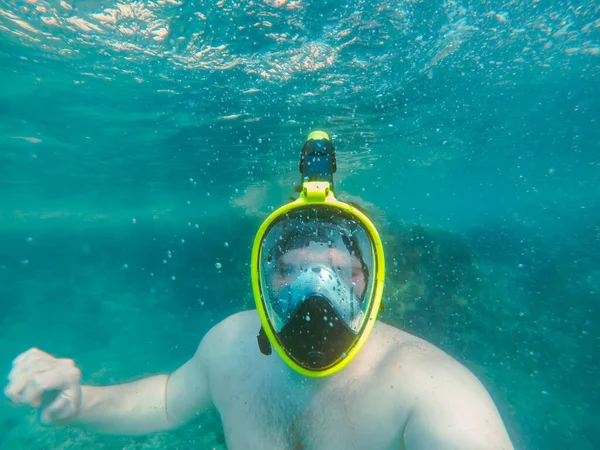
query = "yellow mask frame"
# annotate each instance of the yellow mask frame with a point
(319, 193)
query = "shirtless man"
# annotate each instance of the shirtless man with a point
(317, 280)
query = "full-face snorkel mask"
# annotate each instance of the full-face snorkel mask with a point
(317, 272)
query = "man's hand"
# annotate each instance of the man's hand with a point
(42, 381)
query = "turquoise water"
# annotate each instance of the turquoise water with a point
(141, 145)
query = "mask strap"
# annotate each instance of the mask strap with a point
(263, 342)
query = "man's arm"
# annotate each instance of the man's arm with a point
(151, 404)
(144, 406)
(453, 411)
(131, 409)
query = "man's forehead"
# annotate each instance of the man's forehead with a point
(316, 252)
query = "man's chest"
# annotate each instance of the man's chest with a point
(271, 408)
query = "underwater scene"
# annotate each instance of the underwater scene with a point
(142, 144)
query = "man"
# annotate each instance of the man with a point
(339, 381)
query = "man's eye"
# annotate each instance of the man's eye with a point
(286, 269)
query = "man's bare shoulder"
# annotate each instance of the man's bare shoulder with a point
(233, 330)
(448, 403)
(410, 356)
(401, 345)
(238, 321)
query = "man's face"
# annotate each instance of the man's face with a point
(292, 263)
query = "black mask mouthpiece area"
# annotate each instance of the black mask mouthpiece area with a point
(316, 337)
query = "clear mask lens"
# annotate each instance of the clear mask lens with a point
(317, 251)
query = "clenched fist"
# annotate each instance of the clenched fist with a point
(42, 381)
